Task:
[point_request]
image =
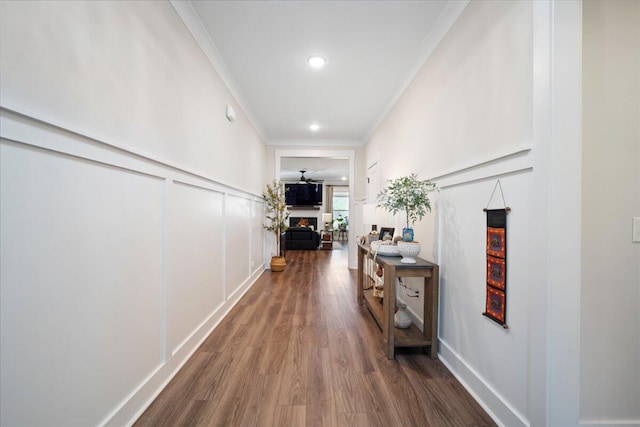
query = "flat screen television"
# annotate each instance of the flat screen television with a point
(309, 194)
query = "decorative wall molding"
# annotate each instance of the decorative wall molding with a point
(26, 128)
(31, 133)
(480, 389)
(492, 166)
(76, 156)
(199, 187)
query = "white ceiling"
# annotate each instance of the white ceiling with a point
(373, 48)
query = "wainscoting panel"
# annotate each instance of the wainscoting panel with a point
(238, 242)
(497, 375)
(115, 267)
(80, 292)
(195, 232)
(257, 236)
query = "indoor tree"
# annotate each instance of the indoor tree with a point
(276, 214)
(409, 195)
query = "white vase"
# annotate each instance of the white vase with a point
(409, 251)
(401, 319)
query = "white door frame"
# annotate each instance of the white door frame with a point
(342, 154)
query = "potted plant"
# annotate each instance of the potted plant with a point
(277, 215)
(341, 222)
(410, 195)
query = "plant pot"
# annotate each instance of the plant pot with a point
(278, 263)
(409, 251)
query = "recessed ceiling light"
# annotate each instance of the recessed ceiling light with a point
(344, 178)
(314, 127)
(317, 61)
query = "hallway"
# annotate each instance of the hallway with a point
(297, 350)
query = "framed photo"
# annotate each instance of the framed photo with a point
(384, 231)
(496, 272)
(496, 305)
(496, 242)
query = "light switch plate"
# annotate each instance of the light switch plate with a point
(636, 230)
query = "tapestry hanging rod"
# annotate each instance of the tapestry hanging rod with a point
(506, 208)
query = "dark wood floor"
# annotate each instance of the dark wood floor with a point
(297, 350)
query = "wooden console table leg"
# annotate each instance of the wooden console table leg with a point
(360, 279)
(432, 294)
(389, 308)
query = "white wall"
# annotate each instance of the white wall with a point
(499, 98)
(149, 86)
(129, 224)
(468, 108)
(610, 304)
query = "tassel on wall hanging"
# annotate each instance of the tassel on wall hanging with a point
(496, 297)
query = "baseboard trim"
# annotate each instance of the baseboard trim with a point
(139, 400)
(491, 401)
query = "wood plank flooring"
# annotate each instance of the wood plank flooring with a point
(297, 350)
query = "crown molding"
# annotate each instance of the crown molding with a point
(447, 18)
(191, 20)
(315, 142)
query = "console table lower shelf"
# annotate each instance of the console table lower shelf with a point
(383, 313)
(410, 337)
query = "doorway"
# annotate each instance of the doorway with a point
(349, 157)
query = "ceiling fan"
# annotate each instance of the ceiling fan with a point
(303, 179)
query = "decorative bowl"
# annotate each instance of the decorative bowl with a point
(388, 250)
(409, 251)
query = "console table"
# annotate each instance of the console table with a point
(383, 313)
